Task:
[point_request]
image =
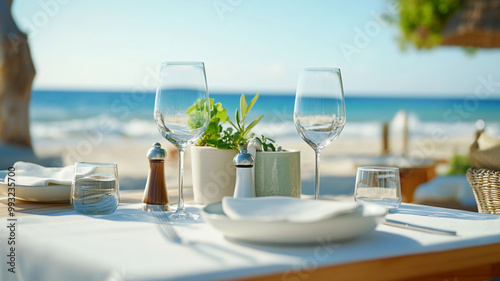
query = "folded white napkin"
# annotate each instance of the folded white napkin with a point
(29, 174)
(278, 208)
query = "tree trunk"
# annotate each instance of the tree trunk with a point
(16, 77)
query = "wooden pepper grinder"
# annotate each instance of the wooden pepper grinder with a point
(155, 195)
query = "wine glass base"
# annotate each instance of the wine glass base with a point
(183, 216)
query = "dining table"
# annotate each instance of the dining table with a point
(53, 242)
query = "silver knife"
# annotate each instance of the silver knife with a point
(419, 227)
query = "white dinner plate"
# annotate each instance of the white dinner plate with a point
(339, 228)
(46, 194)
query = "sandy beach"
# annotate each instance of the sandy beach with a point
(338, 161)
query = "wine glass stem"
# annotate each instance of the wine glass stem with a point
(316, 177)
(180, 206)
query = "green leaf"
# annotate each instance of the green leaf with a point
(191, 108)
(252, 102)
(232, 124)
(220, 112)
(254, 122)
(197, 119)
(198, 105)
(212, 128)
(243, 107)
(238, 120)
(222, 115)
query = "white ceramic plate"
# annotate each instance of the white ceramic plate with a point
(335, 229)
(46, 194)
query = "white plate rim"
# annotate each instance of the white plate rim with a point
(45, 194)
(221, 222)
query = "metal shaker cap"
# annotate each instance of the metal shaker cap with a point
(243, 159)
(156, 152)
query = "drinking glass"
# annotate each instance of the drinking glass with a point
(181, 85)
(319, 113)
(94, 190)
(380, 185)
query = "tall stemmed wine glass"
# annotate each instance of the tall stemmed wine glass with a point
(319, 113)
(181, 85)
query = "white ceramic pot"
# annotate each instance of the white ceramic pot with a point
(214, 174)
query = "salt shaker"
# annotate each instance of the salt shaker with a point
(155, 194)
(244, 186)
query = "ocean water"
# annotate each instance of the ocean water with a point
(65, 116)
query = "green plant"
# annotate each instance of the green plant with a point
(215, 135)
(196, 119)
(267, 144)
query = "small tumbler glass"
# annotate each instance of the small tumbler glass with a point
(95, 188)
(380, 185)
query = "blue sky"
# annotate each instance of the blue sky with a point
(256, 45)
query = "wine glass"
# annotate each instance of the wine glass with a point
(319, 113)
(181, 85)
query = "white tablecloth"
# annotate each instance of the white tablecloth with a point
(128, 245)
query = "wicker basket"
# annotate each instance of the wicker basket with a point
(486, 186)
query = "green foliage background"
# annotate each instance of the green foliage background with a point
(421, 22)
